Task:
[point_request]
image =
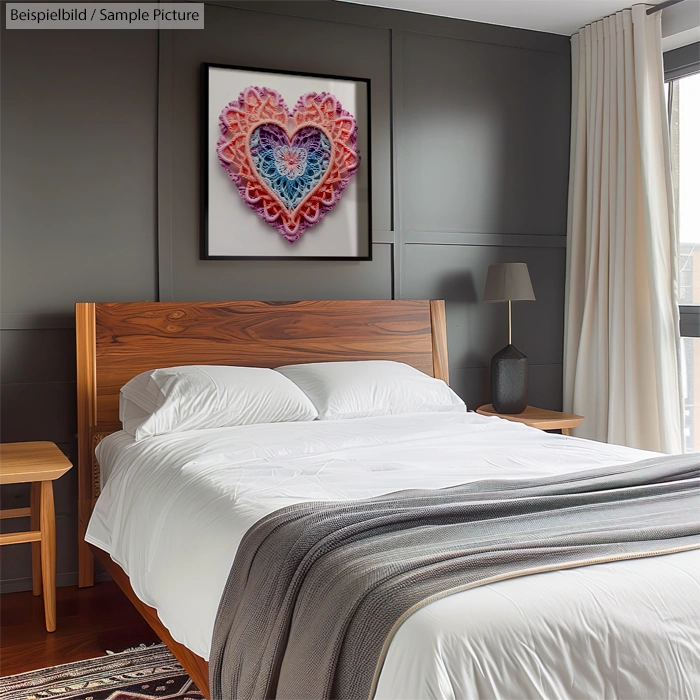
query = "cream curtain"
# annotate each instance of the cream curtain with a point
(622, 344)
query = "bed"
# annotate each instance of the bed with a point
(117, 341)
(551, 634)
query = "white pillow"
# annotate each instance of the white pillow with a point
(201, 396)
(370, 388)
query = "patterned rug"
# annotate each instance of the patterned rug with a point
(147, 673)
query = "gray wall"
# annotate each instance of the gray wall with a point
(100, 192)
(78, 173)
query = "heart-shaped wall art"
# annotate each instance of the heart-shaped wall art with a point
(290, 168)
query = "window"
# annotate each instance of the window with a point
(683, 94)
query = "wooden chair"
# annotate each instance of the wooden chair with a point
(38, 463)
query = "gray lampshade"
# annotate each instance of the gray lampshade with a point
(508, 282)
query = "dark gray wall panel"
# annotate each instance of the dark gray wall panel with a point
(486, 144)
(45, 411)
(476, 330)
(34, 356)
(472, 384)
(78, 168)
(270, 281)
(409, 21)
(78, 175)
(546, 386)
(260, 40)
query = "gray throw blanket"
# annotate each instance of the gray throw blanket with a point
(317, 590)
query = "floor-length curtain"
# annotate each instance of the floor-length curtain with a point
(622, 344)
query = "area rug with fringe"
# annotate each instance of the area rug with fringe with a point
(145, 673)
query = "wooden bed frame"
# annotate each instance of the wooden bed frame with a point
(117, 341)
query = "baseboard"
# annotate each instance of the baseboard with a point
(16, 585)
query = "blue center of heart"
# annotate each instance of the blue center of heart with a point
(290, 169)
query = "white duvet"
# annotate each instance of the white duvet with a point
(174, 508)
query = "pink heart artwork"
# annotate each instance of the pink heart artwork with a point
(290, 168)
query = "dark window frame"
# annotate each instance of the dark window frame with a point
(680, 63)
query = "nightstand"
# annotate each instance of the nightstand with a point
(541, 418)
(37, 463)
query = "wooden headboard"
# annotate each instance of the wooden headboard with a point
(117, 341)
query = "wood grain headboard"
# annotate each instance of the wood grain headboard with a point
(117, 341)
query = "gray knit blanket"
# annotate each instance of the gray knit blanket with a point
(317, 590)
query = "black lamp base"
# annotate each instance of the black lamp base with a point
(509, 381)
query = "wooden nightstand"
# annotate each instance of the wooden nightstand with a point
(38, 463)
(541, 418)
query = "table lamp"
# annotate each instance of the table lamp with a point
(509, 282)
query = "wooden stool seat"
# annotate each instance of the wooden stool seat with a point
(37, 463)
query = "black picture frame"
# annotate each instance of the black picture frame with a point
(206, 145)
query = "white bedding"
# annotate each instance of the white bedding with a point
(174, 508)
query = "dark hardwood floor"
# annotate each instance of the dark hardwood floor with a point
(90, 621)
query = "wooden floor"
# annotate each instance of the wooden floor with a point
(90, 621)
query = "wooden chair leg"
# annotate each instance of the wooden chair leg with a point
(48, 554)
(34, 503)
(565, 431)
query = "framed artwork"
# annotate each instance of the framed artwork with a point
(286, 168)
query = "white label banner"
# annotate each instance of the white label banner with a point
(117, 15)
